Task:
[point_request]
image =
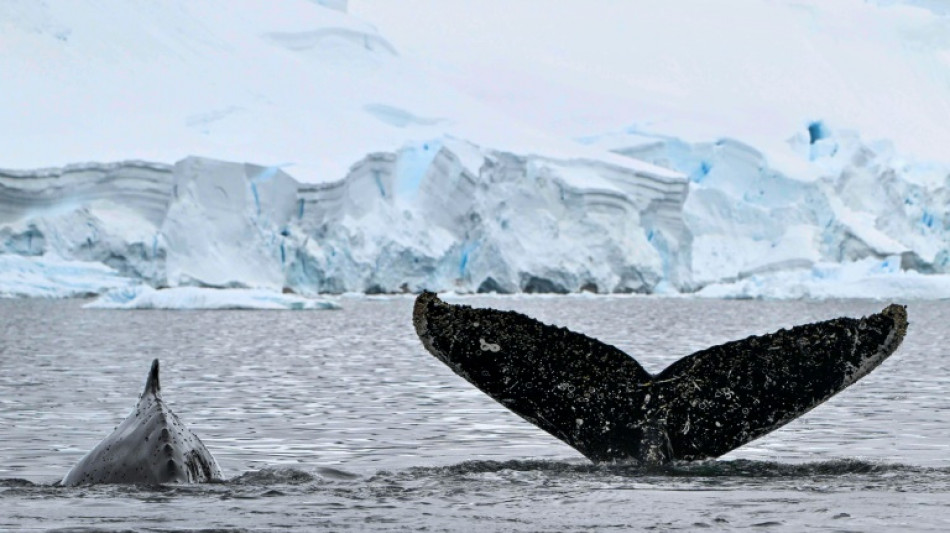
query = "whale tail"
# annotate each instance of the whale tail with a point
(600, 401)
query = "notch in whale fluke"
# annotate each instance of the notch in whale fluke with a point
(152, 384)
(600, 401)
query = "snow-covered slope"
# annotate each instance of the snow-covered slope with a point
(759, 71)
(298, 83)
(113, 80)
(328, 160)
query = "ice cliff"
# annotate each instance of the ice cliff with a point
(443, 215)
(843, 200)
(448, 215)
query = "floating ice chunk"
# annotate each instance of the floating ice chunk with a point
(143, 297)
(52, 277)
(868, 278)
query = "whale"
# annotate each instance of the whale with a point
(151, 446)
(600, 401)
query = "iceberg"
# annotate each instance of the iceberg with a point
(53, 277)
(143, 297)
(867, 278)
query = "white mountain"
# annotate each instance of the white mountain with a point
(369, 171)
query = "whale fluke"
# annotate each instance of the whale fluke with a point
(600, 401)
(151, 446)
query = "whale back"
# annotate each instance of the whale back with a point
(151, 446)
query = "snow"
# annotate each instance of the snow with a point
(142, 297)
(299, 84)
(754, 70)
(675, 148)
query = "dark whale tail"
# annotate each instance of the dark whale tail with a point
(599, 400)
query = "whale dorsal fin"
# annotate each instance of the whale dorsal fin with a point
(152, 385)
(722, 397)
(599, 400)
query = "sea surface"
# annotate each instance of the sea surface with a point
(340, 420)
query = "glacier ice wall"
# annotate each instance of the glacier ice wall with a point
(442, 215)
(226, 225)
(857, 200)
(448, 215)
(102, 213)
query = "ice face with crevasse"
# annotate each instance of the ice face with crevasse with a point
(469, 219)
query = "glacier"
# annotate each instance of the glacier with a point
(448, 215)
(444, 216)
(342, 160)
(853, 200)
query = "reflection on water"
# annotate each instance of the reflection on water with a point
(340, 419)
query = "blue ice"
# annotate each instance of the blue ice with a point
(414, 162)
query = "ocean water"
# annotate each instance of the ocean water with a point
(340, 420)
